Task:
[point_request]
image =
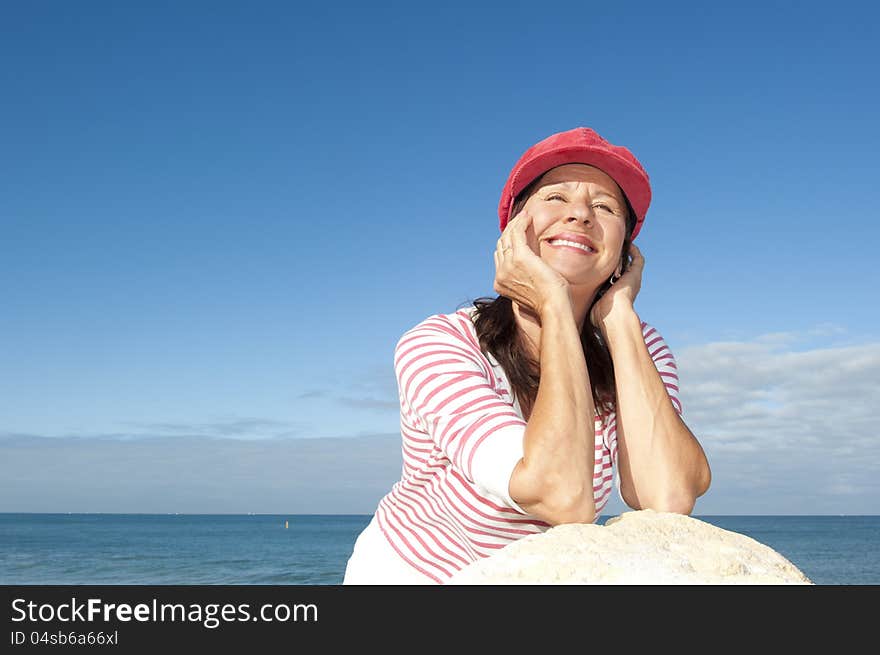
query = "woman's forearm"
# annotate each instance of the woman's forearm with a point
(554, 480)
(662, 466)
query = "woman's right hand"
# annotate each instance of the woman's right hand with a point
(520, 273)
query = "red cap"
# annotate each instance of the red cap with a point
(579, 146)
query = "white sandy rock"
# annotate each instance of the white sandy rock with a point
(639, 547)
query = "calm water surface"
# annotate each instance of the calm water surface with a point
(313, 549)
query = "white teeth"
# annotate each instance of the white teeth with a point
(571, 243)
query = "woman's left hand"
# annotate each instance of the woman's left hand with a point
(622, 294)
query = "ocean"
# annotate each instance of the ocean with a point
(172, 549)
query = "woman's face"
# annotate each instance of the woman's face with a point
(584, 202)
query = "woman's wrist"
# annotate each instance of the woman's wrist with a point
(558, 304)
(621, 317)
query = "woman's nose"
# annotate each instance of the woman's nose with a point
(581, 213)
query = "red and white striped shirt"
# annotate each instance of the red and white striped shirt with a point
(462, 431)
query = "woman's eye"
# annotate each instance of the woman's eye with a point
(555, 196)
(603, 207)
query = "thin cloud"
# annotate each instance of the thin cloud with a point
(230, 427)
(239, 428)
(787, 429)
(373, 389)
(311, 394)
(369, 403)
(377, 380)
(792, 423)
(198, 475)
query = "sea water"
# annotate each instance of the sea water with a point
(313, 549)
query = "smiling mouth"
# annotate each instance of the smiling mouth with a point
(570, 244)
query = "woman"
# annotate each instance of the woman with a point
(517, 412)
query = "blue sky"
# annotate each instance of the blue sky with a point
(219, 217)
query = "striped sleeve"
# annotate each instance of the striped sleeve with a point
(446, 392)
(664, 361)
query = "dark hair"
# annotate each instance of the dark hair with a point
(497, 333)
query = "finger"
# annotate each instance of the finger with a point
(504, 239)
(518, 229)
(521, 220)
(636, 254)
(516, 221)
